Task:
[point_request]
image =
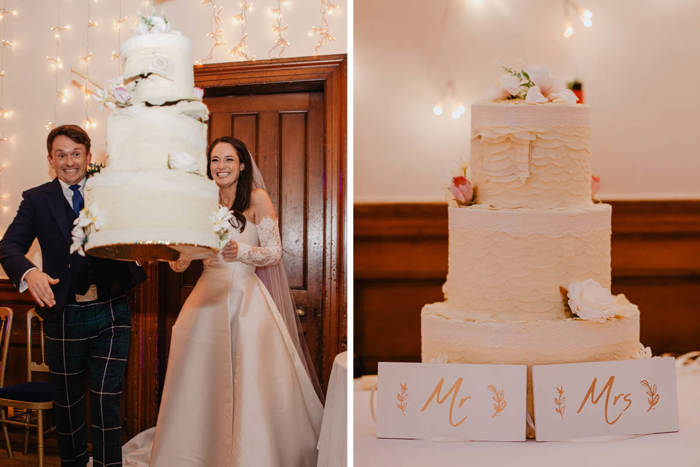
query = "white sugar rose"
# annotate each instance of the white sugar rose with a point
(183, 161)
(591, 301)
(540, 76)
(563, 96)
(511, 84)
(534, 96)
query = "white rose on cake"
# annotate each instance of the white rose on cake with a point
(591, 301)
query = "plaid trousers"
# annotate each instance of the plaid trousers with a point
(90, 337)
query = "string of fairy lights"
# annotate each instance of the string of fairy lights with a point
(448, 99)
(240, 50)
(217, 33)
(118, 25)
(91, 23)
(5, 112)
(279, 28)
(571, 9)
(323, 31)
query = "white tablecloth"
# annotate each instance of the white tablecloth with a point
(680, 449)
(332, 443)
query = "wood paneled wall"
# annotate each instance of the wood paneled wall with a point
(401, 263)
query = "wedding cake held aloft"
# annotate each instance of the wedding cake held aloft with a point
(153, 200)
(529, 251)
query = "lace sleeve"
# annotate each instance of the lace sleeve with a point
(270, 249)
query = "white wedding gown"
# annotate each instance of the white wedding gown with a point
(236, 391)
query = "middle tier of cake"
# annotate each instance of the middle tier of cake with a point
(510, 264)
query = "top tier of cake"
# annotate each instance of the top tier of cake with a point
(161, 64)
(531, 155)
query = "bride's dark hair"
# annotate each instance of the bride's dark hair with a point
(245, 177)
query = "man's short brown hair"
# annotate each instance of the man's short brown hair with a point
(74, 132)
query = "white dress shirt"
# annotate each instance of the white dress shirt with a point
(68, 193)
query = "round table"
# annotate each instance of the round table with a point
(332, 442)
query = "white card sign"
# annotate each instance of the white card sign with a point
(605, 398)
(451, 401)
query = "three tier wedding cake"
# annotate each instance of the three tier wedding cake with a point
(153, 198)
(529, 251)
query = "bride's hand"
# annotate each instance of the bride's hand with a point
(230, 251)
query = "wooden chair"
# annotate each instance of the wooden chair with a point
(5, 332)
(29, 396)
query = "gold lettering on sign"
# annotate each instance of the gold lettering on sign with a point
(607, 389)
(454, 390)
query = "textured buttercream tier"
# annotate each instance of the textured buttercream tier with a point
(142, 137)
(162, 65)
(151, 206)
(446, 339)
(509, 264)
(536, 156)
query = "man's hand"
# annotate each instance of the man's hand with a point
(39, 284)
(230, 251)
(180, 265)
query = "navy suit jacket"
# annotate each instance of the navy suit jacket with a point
(45, 214)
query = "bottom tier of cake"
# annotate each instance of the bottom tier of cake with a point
(448, 340)
(151, 214)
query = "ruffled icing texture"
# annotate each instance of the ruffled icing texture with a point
(502, 269)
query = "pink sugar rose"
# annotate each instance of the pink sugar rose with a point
(121, 95)
(462, 190)
(198, 92)
(595, 185)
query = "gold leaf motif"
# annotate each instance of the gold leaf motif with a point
(402, 397)
(559, 401)
(499, 400)
(654, 396)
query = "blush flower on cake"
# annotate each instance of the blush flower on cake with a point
(595, 186)
(461, 188)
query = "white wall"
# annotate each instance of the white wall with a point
(29, 86)
(639, 63)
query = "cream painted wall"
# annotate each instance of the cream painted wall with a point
(29, 86)
(639, 63)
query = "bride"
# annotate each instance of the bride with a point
(239, 390)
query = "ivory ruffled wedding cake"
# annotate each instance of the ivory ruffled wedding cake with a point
(529, 251)
(153, 199)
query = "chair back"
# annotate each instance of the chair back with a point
(41, 365)
(5, 334)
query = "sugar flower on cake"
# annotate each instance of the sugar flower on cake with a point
(198, 92)
(152, 24)
(461, 188)
(88, 220)
(116, 94)
(595, 186)
(222, 225)
(533, 85)
(591, 301)
(183, 161)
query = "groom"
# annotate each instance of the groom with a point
(81, 299)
